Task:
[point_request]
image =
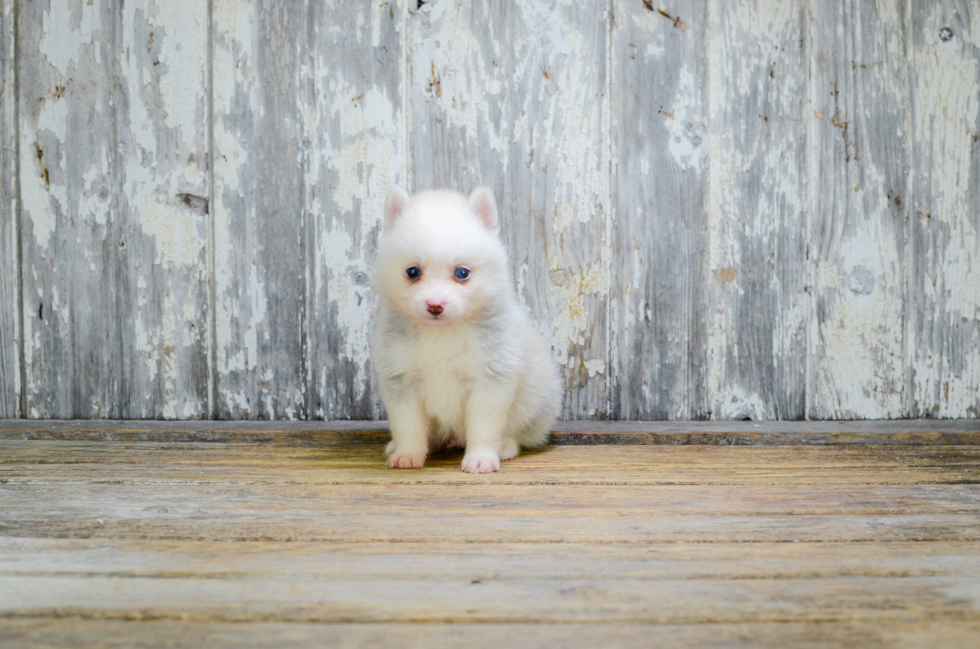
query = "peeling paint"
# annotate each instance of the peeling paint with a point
(764, 244)
(945, 331)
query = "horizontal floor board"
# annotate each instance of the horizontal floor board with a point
(182, 558)
(427, 599)
(77, 632)
(556, 466)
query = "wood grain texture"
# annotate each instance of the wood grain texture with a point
(691, 544)
(673, 180)
(10, 357)
(859, 169)
(261, 141)
(32, 633)
(112, 147)
(944, 273)
(757, 324)
(161, 286)
(72, 227)
(658, 339)
(515, 96)
(358, 126)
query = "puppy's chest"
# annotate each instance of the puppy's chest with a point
(458, 355)
(444, 368)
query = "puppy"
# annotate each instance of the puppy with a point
(458, 363)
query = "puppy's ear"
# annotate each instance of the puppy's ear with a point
(395, 204)
(485, 207)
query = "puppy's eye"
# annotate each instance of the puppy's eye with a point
(462, 274)
(413, 272)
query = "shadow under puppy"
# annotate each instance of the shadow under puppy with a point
(458, 362)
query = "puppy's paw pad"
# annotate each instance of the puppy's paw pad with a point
(406, 460)
(481, 462)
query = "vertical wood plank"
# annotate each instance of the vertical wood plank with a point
(859, 155)
(9, 260)
(360, 144)
(660, 234)
(72, 342)
(515, 96)
(260, 76)
(945, 220)
(756, 218)
(161, 289)
(112, 154)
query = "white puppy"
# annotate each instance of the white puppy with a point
(458, 362)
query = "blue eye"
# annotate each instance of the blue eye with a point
(413, 272)
(462, 274)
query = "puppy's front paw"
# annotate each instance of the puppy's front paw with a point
(404, 460)
(481, 462)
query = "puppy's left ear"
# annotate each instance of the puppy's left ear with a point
(485, 207)
(395, 204)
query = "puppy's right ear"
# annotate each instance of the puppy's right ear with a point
(395, 204)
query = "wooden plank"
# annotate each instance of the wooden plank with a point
(925, 432)
(113, 180)
(55, 632)
(73, 342)
(259, 507)
(859, 159)
(10, 339)
(429, 600)
(359, 130)
(658, 342)
(126, 558)
(515, 97)
(944, 286)
(756, 207)
(161, 280)
(261, 151)
(148, 464)
(176, 506)
(290, 500)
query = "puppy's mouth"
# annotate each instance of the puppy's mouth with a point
(436, 319)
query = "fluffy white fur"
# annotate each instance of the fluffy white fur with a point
(458, 362)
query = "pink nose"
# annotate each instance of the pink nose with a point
(434, 307)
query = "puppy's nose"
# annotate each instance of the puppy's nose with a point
(434, 307)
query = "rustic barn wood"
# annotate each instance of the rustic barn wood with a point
(658, 350)
(721, 545)
(716, 210)
(260, 70)
(73, 345)
(114, 208)
(944, 273)
(360, 142)
(756, 212)
(515, 96)
(859, 170)
(10, 365)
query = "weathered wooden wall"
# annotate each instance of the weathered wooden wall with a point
(716, 209)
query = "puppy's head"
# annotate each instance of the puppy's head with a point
(440, 260)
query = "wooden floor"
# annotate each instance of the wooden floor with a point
(132, 539)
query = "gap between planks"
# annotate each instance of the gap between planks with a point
(917, 432)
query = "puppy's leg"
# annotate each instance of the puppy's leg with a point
(486, 418)
(409, 434)
(509, 449)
